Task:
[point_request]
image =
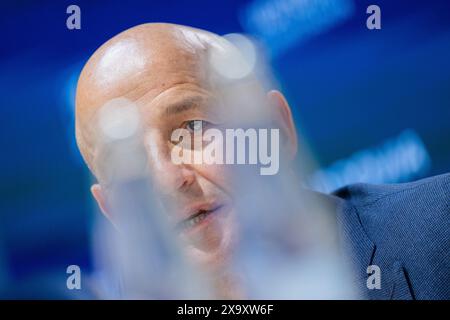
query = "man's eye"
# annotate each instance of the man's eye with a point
(196, 125)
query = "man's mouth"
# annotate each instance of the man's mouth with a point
(197, 218)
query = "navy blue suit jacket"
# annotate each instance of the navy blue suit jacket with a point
(405, 230)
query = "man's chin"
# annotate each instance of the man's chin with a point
(211, 260)
(210, 246)
(216, 265)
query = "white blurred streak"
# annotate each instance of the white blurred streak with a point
(239, 74)
(401, 158)
(234, 62)
(145, 249)
(118, 119)
(288, 247)
(281, 24)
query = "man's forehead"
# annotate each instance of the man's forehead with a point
(141, 64)
(177, 99)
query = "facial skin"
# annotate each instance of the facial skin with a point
(162, 69)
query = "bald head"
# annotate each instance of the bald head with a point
(175, 77)
(138, 64)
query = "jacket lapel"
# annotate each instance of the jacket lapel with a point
(400, 289)
(355, 242)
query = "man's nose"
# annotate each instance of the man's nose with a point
(166, 175)
(171, 177)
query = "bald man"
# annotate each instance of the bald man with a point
(165, 71)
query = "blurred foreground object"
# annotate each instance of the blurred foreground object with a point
(285, 238)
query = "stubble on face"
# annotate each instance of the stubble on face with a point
(160, 67)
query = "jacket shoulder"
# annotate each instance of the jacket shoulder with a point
(408, 222)
(366, 195)
(404, 210)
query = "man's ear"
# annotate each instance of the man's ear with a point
(100, 197)
(283, 117)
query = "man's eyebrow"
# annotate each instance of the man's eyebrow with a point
(184, 105)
